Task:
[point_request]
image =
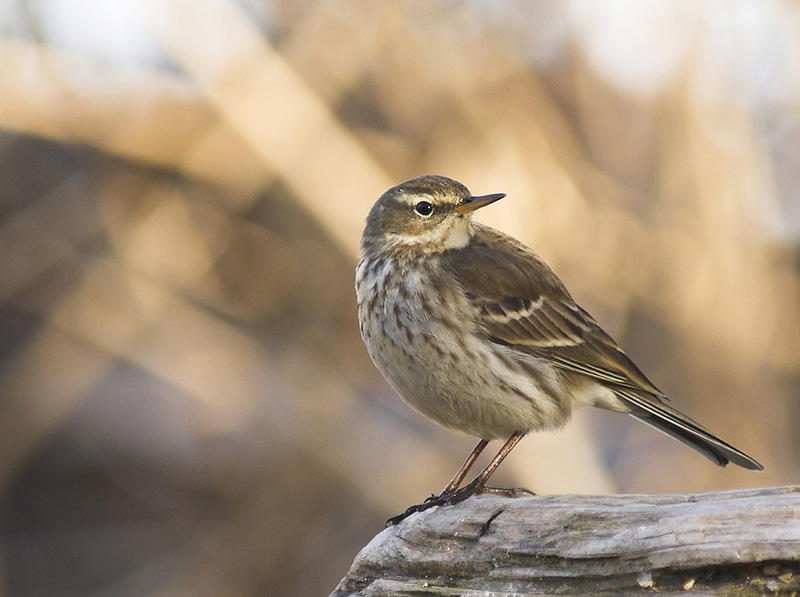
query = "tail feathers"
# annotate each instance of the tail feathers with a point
(680, 427)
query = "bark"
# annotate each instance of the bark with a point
(734, 542)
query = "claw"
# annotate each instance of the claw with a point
(456, 497)
(433, 500)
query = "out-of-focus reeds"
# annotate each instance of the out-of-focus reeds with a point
(186, 405)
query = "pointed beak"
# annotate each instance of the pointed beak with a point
(472, 203)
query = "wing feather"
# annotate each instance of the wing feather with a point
(524, 304)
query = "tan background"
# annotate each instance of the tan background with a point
(186, 406)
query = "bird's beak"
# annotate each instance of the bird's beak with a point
(472, 203)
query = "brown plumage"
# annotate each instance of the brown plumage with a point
(474, 330)
(533, 312)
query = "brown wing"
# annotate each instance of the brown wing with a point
(523, 303)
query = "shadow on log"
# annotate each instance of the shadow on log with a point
(724, 543)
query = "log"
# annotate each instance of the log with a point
(744, 542)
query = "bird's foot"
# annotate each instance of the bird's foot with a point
(456, 497)
(451, 497)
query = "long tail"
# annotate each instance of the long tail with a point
(677, 425)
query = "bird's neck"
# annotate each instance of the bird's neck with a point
(418, 246)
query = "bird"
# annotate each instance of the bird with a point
(476, 332)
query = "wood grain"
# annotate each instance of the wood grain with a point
(734, 542)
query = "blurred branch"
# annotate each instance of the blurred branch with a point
(264, 100)
(42, 402)
(141, 115)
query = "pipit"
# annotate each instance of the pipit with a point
(475, 331)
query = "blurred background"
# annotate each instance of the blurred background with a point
(186, 407)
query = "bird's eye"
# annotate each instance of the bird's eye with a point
(423, 208)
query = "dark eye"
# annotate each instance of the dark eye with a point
(423, 208)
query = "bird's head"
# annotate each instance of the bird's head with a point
(429, 214)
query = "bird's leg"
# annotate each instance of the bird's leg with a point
(436, 500)
(477, 485)
(462, 472)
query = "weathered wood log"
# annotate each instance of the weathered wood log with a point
(724, 543)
